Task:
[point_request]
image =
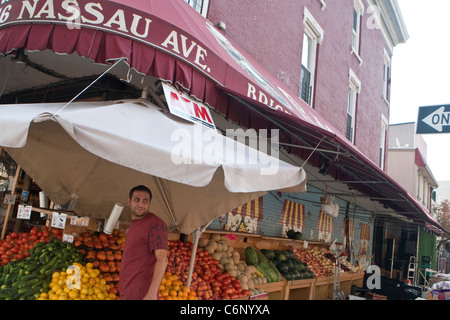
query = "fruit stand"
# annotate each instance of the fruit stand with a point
(70, 258)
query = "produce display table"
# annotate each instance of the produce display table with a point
(323, 288)
(300, 289)
(275, 290)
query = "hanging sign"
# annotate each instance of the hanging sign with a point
(9, 199)
(79, 221)
(183, 106)
(59, 220)
(434, 119)
(24, 212)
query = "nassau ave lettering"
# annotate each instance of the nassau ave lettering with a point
(106, 15)
(172, 41)
(91, 14)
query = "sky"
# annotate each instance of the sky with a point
(421, 73)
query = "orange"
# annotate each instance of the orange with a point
(168, 283)
(177, 282)
(176, 287)
(164, 293)
(186, 289)
(172, 293)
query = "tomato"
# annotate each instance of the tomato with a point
(236, 284)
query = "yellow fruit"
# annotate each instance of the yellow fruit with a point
(73, 294)
(62, 297)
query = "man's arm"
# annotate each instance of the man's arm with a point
(158, 274)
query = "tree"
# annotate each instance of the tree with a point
(443, 217)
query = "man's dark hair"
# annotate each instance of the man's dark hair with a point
(140, 188)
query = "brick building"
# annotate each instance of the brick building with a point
(346, 47)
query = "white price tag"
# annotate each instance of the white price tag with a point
(9, 199)
(59, 220)
(79, 221)
(67, 238)
(24, 212)
(305, 244)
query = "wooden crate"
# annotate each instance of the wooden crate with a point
(358, 279)
(300, 289)
(275, 290)
(323, 288)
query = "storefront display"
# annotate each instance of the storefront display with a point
(40, 265)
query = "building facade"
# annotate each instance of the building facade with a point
(335, 54)
(407, 163)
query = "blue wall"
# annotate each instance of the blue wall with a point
(272, 207)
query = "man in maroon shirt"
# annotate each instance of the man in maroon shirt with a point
(144, 258)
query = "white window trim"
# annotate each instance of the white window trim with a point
(353, 79)
(354, 90)
(383, 138)
(204, 10)
(312, 26)
(316, 33)
(387, 66)
(359, 6)
(324, 5)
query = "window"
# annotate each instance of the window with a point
(354, 89)
(307, 68)
(383, 135)
(358, 10)
(386, 77)
(312, 37)
(201, 6)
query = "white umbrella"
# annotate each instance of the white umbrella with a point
(98, 151)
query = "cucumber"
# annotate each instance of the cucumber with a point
(251, 255)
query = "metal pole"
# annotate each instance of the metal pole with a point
(392, 257)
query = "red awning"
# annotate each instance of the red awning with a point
(169, 40)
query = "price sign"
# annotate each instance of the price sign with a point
(24, 212)
(231, 236)
(59, 220)
(67, 238)
(9, 199)
(79, 221)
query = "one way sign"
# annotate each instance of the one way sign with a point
(434, 119)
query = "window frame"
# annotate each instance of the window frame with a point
(358, 7)
(386, 77)
(313, 31)
(383, 141)
(352, 104)
(203, 10)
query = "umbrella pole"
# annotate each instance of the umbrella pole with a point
(196, 237)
